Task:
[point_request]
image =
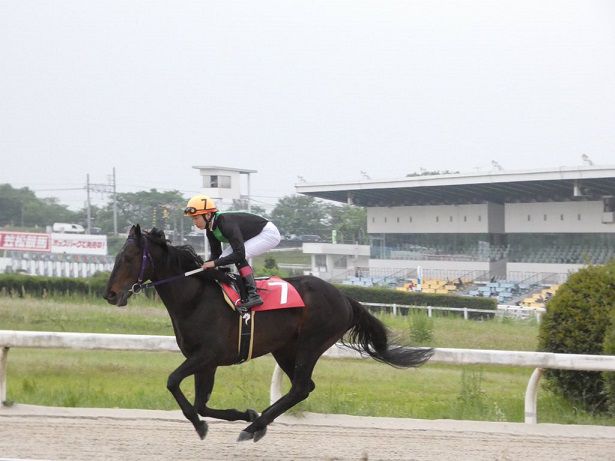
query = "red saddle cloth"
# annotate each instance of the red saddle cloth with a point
(276, 294)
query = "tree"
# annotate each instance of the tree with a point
(22, 208)
(242, 205)
(350, 223)
(148, 208)
(299, 214)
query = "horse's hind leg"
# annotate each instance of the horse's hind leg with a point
(203, 386)
(286, 360)
(301, 386)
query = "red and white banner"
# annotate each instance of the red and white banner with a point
(79, 244)
(24, 241)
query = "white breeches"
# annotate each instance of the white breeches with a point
(259, 244)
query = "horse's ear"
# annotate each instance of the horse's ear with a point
(135, 232)
(158, 233)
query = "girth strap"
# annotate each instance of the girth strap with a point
(246, 337)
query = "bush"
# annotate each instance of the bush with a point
(577, 319)
(609, 377)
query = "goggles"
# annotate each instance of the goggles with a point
(190, 210)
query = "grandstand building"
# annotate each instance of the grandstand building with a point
(511, 225)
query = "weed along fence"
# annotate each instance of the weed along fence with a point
(93, 341)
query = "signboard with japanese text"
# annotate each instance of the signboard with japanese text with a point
(79, 244)
(24, 241)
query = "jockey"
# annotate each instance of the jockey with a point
(247, 234)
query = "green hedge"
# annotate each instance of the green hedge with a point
(35, 286)
(389, 296)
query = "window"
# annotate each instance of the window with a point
(561, 217)
(450, 219)
(373, 220)
(480, 218)
(217, 182)
(437, 218)
(529, 217)
(410, 217)
(321, 261)
(465, 219)
(398, 219)
(579, 217)
(544, 217)
(385, 219)
(339, 262)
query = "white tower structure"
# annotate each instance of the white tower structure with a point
(224, 184)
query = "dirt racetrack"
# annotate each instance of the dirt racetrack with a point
(44, 433)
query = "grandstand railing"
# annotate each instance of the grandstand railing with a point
(382, 276)
(502, 310)
(537, 278)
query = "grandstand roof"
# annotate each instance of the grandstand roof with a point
(559, 184)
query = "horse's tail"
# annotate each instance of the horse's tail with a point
(369, 335)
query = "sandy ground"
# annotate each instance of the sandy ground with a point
(45, 433)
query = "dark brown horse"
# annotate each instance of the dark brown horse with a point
(206, 328)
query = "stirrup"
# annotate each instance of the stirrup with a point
(252, 301)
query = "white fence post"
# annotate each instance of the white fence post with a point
(275, 390)
(4, 352)
(531, 397)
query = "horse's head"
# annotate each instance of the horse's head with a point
(133, 265)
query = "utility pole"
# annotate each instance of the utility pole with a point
(89, 218)
(103, 189)
(114, 205)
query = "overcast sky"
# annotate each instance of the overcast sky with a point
(321, 90)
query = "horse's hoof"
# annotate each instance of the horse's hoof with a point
(260, 434)
(245, 435)
(201, 429)
(252, 415)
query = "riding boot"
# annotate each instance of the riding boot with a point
(252, 297)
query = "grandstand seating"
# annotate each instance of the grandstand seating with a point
(538, 299)
(429, 286)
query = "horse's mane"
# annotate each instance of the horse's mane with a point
(183, 257)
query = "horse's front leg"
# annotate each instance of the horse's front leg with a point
(203, 386)
(190, 366)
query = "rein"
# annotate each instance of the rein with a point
(140, 286)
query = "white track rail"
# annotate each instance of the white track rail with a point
(93, 341)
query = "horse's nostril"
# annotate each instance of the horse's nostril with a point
(110, 296)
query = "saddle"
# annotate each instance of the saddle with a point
(276, 294)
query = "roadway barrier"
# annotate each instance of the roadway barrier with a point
(94, 341)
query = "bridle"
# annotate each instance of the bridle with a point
(145, 256)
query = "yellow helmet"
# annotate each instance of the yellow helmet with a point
(200, 204)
